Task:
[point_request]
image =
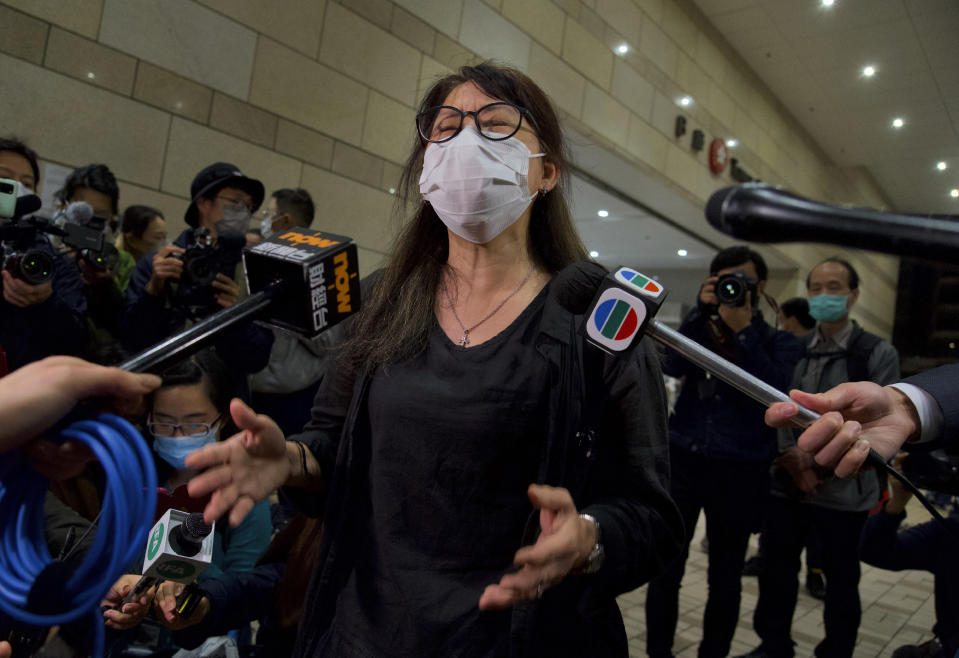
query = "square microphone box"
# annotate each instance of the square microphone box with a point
(321, 279)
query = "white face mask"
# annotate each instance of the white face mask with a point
(266, 228)
(478, 187)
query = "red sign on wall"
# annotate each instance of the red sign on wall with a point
(718, 156)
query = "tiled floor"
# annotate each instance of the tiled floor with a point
(897, 608)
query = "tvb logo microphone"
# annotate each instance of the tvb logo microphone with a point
(624, 304)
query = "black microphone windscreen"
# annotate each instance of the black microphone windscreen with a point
(576, 285)
(195, 527)
(27, 204)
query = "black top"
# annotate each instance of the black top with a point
(455, 445)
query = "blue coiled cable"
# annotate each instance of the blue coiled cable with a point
(126, 517)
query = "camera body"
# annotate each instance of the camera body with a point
(202, 261)
(732, 289)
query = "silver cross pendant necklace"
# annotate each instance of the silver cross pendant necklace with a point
(465, 340)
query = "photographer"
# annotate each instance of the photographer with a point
(720, 451)
(100, 270)
(39, 319)
(197, 274)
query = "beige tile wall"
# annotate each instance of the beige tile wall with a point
(324, 93)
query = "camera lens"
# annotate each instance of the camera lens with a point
(730, 291)
(36, 267)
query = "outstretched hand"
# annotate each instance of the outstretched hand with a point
(564, 543)
(856, 416)
(241, 470)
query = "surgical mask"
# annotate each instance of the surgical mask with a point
(477, 186)
(828, 308)
(266, 228)
(236, 218)
(174, 449)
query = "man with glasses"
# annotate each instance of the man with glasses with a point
(168, 290)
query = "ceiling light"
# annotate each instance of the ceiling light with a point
(91, 75)
(942, 166)
(392, 190)
(602, 213)
(685, 101)
(732, 143)
(828, 3)
(682, 252)
(954, 193)
(594, 254)
(869, 71)
(622, 48)
(898, 122)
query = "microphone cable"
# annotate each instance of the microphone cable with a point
(129, 503)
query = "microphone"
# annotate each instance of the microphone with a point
(187, 538)
(78, 212)
(27, 205)
(759, 213)
(622, 309)
(302, 280)
(180, 547)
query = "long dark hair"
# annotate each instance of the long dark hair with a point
(397, 318)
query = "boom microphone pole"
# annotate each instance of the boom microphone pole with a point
(756, 212)
(293, 275)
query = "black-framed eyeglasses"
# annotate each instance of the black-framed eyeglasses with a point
(187, 429)
(496, 121)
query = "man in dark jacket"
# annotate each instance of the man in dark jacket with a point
(720, 450)
(198, 273)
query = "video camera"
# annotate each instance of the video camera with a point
(85, 233)
(202, 261)
(18, 252)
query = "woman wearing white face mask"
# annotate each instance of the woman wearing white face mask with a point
(486, 490)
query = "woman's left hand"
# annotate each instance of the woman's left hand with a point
(565, 542)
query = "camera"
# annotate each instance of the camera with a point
(732, 288)
(202, 261)
(85, 232)
(34, 266)
(18, 255)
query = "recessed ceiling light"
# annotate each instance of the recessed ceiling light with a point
(685, 101)
(732, 143)
(622, 48)
(602, 213)
(682, 252)
(392, 190)
(898, 122)
(942, 166)
(868, 71)
(954, 193)
(91, 75)
(828, 3)
(594, 254)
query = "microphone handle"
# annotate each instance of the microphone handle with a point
(764, 214)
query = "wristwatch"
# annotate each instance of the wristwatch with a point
(595, 559)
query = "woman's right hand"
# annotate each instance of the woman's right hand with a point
(242, 470)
